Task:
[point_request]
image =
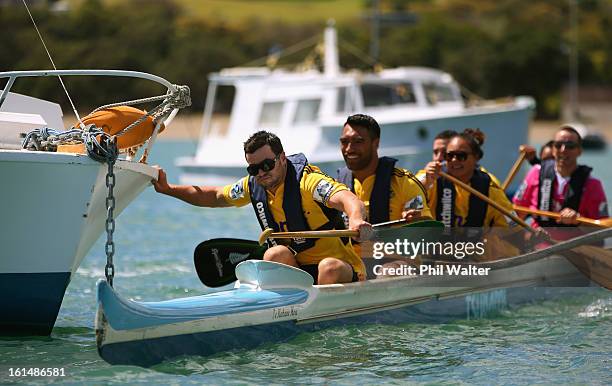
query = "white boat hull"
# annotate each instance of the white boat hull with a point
(53, 210)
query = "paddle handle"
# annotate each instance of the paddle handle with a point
(486, 199)
(556, 216)
(514, 170)
(314, 234)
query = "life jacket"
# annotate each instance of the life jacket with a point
(573, 194)
(379, 199)
(477, 209)
(292, 206)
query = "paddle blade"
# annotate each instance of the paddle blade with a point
(216, 260)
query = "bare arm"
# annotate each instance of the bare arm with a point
(347, 202)
(208, 196)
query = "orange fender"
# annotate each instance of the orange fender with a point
(113, 120)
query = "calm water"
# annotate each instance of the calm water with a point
(563, 341)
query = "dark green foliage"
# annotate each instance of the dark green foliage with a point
(493, 47)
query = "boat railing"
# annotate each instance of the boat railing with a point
(175, 98)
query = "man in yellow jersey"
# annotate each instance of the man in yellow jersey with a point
(288, 194)
(428, 175)
(389, 193)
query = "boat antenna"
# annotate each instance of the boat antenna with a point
(81, 124)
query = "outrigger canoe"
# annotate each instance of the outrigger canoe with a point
(274, 302)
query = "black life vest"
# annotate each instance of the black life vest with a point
(477, 209)
(573, 194)
(292, 206)
(381, 192)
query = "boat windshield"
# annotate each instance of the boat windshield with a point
(222, 108)
(388, 94)
(307, 111)
(271, 113)
(439, 92)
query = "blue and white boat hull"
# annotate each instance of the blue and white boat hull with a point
(54, 209)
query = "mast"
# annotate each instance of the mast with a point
(331, 61)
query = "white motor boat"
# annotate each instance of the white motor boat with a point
(54, 203)
(307, 109)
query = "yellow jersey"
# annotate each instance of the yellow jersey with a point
(315, 188)
(405, 193)
(493, 217)
(495, 246)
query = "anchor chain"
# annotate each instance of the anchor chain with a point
(109, 269)
(107, 149)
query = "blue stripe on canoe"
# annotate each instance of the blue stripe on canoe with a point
(125, 314)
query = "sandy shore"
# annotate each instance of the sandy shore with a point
(187, 127)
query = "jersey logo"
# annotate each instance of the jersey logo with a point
(323, 191)
(237, 190)
(415, 203)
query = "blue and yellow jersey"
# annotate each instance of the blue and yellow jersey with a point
(315, 188)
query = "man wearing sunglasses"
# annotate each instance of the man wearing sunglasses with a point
(288, 194)
(562, 185)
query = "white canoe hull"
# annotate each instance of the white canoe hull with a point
(273, 302)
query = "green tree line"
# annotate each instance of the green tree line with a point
(494, 48)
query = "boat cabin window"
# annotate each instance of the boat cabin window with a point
(438, 92)
(387, 94)
(222, 108)
(307, 111)
(271, 114)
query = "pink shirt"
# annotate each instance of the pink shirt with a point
(593, 203)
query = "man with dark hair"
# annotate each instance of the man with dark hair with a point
(437, 156)
(562, 185)
(389, 192)
(288, 194)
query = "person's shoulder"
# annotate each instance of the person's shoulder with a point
(406, 178)
(402, 173)
(593, 183)
(314, 171)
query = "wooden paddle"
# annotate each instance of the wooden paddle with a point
(486, 199)
(270, 234)
(602, 223)
(514, 170)
(215, 260)
(594, 262)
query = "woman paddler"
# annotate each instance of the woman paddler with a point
(456, 207)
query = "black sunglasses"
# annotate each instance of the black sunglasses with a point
(570, 145)
(460, 155)
(265, 165)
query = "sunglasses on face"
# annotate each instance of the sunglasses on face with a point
(460, 155)
(569, 145)
(265, 165)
